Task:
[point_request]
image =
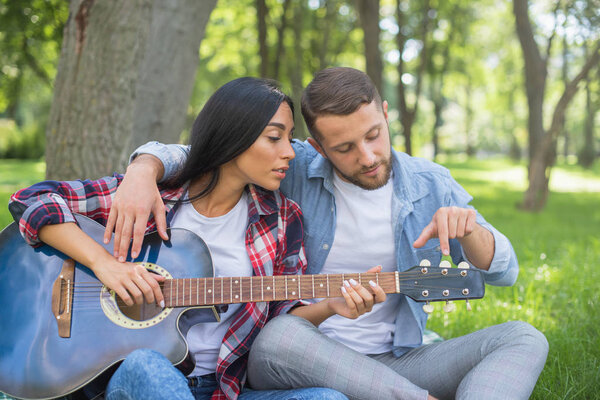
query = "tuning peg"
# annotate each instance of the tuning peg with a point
(468, 305)
(463, 265)
(445, 264)
(449, 307)
(425, 263)
(428, 308)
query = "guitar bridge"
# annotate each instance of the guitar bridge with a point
(62, 298)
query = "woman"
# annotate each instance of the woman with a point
(240, 150)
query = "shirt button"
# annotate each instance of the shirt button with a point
(325, 246)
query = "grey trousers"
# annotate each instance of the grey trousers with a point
(499, 362)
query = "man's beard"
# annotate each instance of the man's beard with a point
(369, 184)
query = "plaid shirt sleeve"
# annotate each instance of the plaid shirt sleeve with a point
(55, 202)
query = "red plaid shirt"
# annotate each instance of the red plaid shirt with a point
(273, 241)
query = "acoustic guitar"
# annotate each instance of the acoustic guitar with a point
(62, 332)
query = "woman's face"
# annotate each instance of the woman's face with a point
(265, 163)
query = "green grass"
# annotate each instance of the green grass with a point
(14, 175)
(558, 290)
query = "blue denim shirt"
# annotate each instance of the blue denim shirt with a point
(421, 187)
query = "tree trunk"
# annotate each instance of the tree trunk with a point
(295, 72)
(279, 52)
(408, 114)
(368, 11)
(588, 153)
(565, 79)
(125, 75)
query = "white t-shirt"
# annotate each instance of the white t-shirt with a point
(364, 238)
(225, 237)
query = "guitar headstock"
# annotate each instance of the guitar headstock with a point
(425, 283)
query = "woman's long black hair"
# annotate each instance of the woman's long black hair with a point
(229, 123)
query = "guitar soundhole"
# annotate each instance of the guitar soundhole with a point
(140, 312)
(139, 316)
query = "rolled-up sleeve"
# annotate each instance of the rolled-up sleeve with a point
(172, 156)
(54, 202)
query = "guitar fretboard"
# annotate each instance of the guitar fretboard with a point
(227, 290)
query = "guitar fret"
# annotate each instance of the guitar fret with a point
(177, 295)
(197, 291)
(204, 280)
(213, 291)
(240, 289)
(359, 279)
(286, 292)
(299, 288)
(274, 287)
(262, 289)
(313, 286)
(327, 276)
(190, 297)
(171, 292)
(251, 297)
(222, 279)
(231, 289)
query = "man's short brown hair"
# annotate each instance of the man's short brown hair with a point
(336, 91)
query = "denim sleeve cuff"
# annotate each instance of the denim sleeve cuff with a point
(172, 156)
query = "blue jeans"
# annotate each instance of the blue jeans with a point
(147, 375)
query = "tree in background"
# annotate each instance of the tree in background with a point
(125, 76)
(542, 142)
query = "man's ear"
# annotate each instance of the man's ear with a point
(384, 106)
(317, 147)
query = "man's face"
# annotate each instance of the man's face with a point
(358, 145)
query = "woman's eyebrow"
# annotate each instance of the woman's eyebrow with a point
(277, 125)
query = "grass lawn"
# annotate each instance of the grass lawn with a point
(559, 253)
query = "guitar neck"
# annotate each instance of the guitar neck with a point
(188, 292)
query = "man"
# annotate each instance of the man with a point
(366, 204)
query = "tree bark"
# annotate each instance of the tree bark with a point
(295, 71)
(125, 75)
(408, 114)
(588, 152)
(263, 50)
(541, 164)
(368, 11)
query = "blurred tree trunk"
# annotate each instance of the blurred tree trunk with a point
(125, 76)
(295, 70)
(587, 155)
(408, 114)
(565, 79)
(469, 148)
(542, 144)
(327, 26)
(368, 11)
(263, 50)
(280, 51)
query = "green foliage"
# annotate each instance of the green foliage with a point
(30, 39)
(24, 143)
(15, 175)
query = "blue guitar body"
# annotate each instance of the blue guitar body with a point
(36, 362)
